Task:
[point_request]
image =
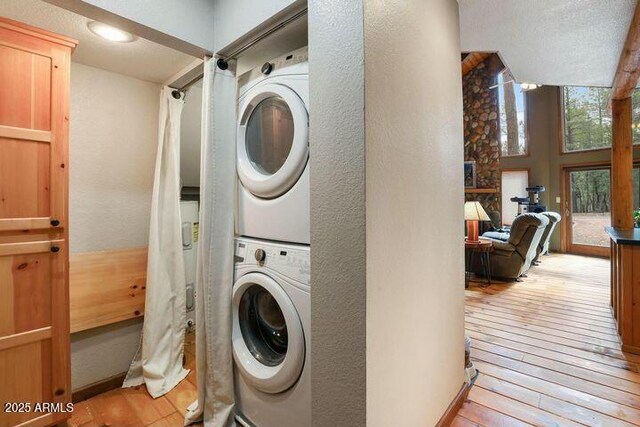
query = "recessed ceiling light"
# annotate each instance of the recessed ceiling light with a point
(529, 86)
(110, 33)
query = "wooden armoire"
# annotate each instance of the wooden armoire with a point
(34, 250)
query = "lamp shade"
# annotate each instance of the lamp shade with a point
(473, 211)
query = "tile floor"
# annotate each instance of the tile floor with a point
(133, 407)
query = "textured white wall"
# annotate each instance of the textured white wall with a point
(98, 354)
(190, 140)
(569, 42)
(113, 143)
(187, 20)
(338, 274)
(387, 297)
(414, 204)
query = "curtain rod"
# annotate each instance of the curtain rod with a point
(177, 93)
(191, 83)
(263, 36)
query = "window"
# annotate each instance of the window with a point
(511, 101)
(587, 118)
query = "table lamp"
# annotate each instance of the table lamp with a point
(474, 212)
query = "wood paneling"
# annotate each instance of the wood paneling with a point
(24, 338)
(36, 34)
(621, 164)
(548, 351)
(481, 190)
(625, 288)
(23, 372)
(26, 100)
(472, 60)
(107, 287)
(25, 283)
(25, 180)
(26, 134)
(34, 308)
(628, 70)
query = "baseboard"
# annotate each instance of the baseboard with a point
(631, 349)
(454, 406)
(97, 388)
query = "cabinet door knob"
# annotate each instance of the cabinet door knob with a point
(55, 222)
(55, 248)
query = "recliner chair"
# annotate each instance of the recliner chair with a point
(512, 259)
(543, 246)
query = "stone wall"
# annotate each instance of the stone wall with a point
(481, 131)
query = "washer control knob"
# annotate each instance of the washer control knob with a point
(260, 255)
(267, 68)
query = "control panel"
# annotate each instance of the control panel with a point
(289, 260)
(269, 68)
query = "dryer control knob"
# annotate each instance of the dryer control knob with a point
(260, 255)
(267, 68)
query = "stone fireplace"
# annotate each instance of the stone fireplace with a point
(482, 133)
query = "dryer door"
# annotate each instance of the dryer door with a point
(273, 140)
(268, 340)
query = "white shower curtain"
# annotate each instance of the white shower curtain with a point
(214, 280)
(158, 362)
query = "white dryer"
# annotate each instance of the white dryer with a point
(273, 150)
(271, 330)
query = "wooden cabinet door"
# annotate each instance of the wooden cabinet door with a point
(34, 260)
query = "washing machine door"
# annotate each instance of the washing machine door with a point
(268, 340)
(273, 140)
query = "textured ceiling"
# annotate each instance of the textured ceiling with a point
(141, 59)
(550, 42)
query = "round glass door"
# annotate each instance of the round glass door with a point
(267, 335)
(273, 142)
(269, 135)
(263, 326)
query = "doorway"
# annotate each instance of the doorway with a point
(587, 205)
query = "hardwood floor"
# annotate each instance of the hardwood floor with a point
(134, 407)
(548, 352)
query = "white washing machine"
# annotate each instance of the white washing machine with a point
(271, 330)
(273, 150)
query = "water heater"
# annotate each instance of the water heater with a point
(190, 231)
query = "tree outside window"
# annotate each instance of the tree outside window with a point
(587, 118)
(511, 100)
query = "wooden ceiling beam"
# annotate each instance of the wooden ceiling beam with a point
(628, 72)
(472, 60)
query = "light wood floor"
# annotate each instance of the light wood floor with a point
(134, 407)
(548, 352)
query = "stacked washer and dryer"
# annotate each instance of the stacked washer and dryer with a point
(271, 294)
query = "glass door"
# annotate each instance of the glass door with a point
(588, 210)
